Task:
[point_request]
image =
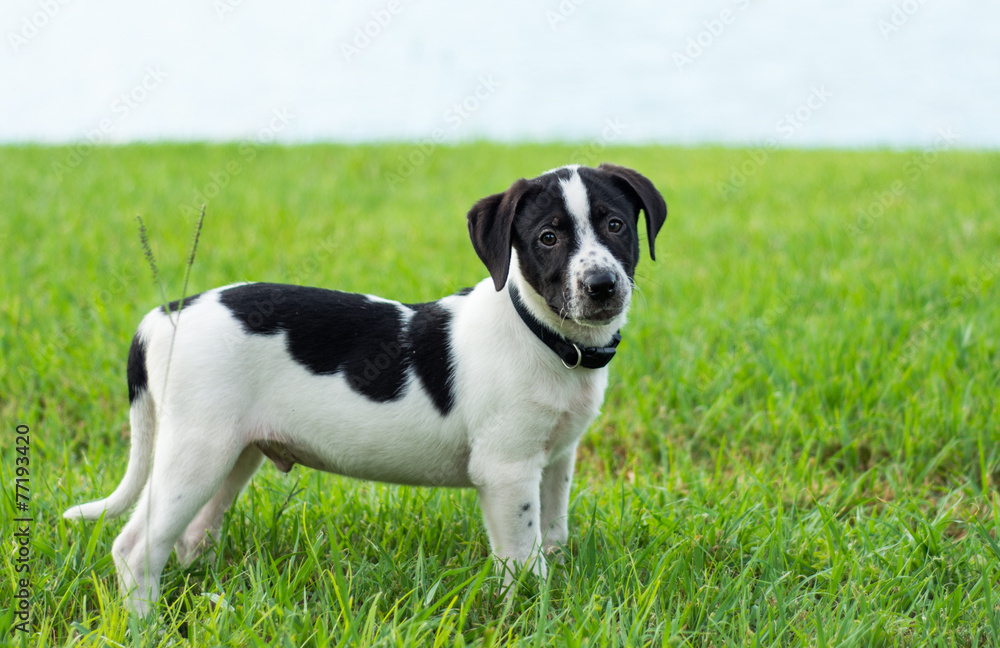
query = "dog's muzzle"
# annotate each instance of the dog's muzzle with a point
(601, 296)
(600, 286)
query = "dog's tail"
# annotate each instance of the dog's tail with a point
(142, 416)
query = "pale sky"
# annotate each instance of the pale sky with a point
(823, 73)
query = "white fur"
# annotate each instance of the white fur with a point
(512, 433)
(590, 256)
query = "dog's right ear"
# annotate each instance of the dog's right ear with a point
(491, 223)
(649, 199)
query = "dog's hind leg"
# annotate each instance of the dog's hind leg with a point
(183, 479)
(206, 526)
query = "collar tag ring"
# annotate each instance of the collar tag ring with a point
(579, 357)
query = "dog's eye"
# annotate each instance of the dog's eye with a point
(615, 225)
(547, 238)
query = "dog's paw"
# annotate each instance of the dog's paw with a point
(188, 549)
(555, 553)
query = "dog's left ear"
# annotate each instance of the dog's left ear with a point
(639, 188)
(491, 222)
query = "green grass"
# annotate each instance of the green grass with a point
(799, 445)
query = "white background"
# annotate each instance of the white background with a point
(803, 73)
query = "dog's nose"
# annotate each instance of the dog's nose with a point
(600, 285)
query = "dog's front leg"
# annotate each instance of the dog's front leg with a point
(509, 498)
(556, 480)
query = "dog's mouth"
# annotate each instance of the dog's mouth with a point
(599, 298)
(570, 307)
(594, 316)
(600, 317)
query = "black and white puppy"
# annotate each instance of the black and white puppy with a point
(489, 388)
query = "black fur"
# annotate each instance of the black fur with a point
(430, 347)
(172, 306)
(330, 332)
(490, 221)
(138, 380)
(643, 195)
(518, 217)
(544, 266)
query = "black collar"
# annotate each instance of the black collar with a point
(570, 353)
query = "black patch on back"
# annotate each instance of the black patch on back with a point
(187, 301)
(138, 379)
(464, 291)
(330, 332)
(430, 338)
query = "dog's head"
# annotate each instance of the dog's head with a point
(574, 236)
